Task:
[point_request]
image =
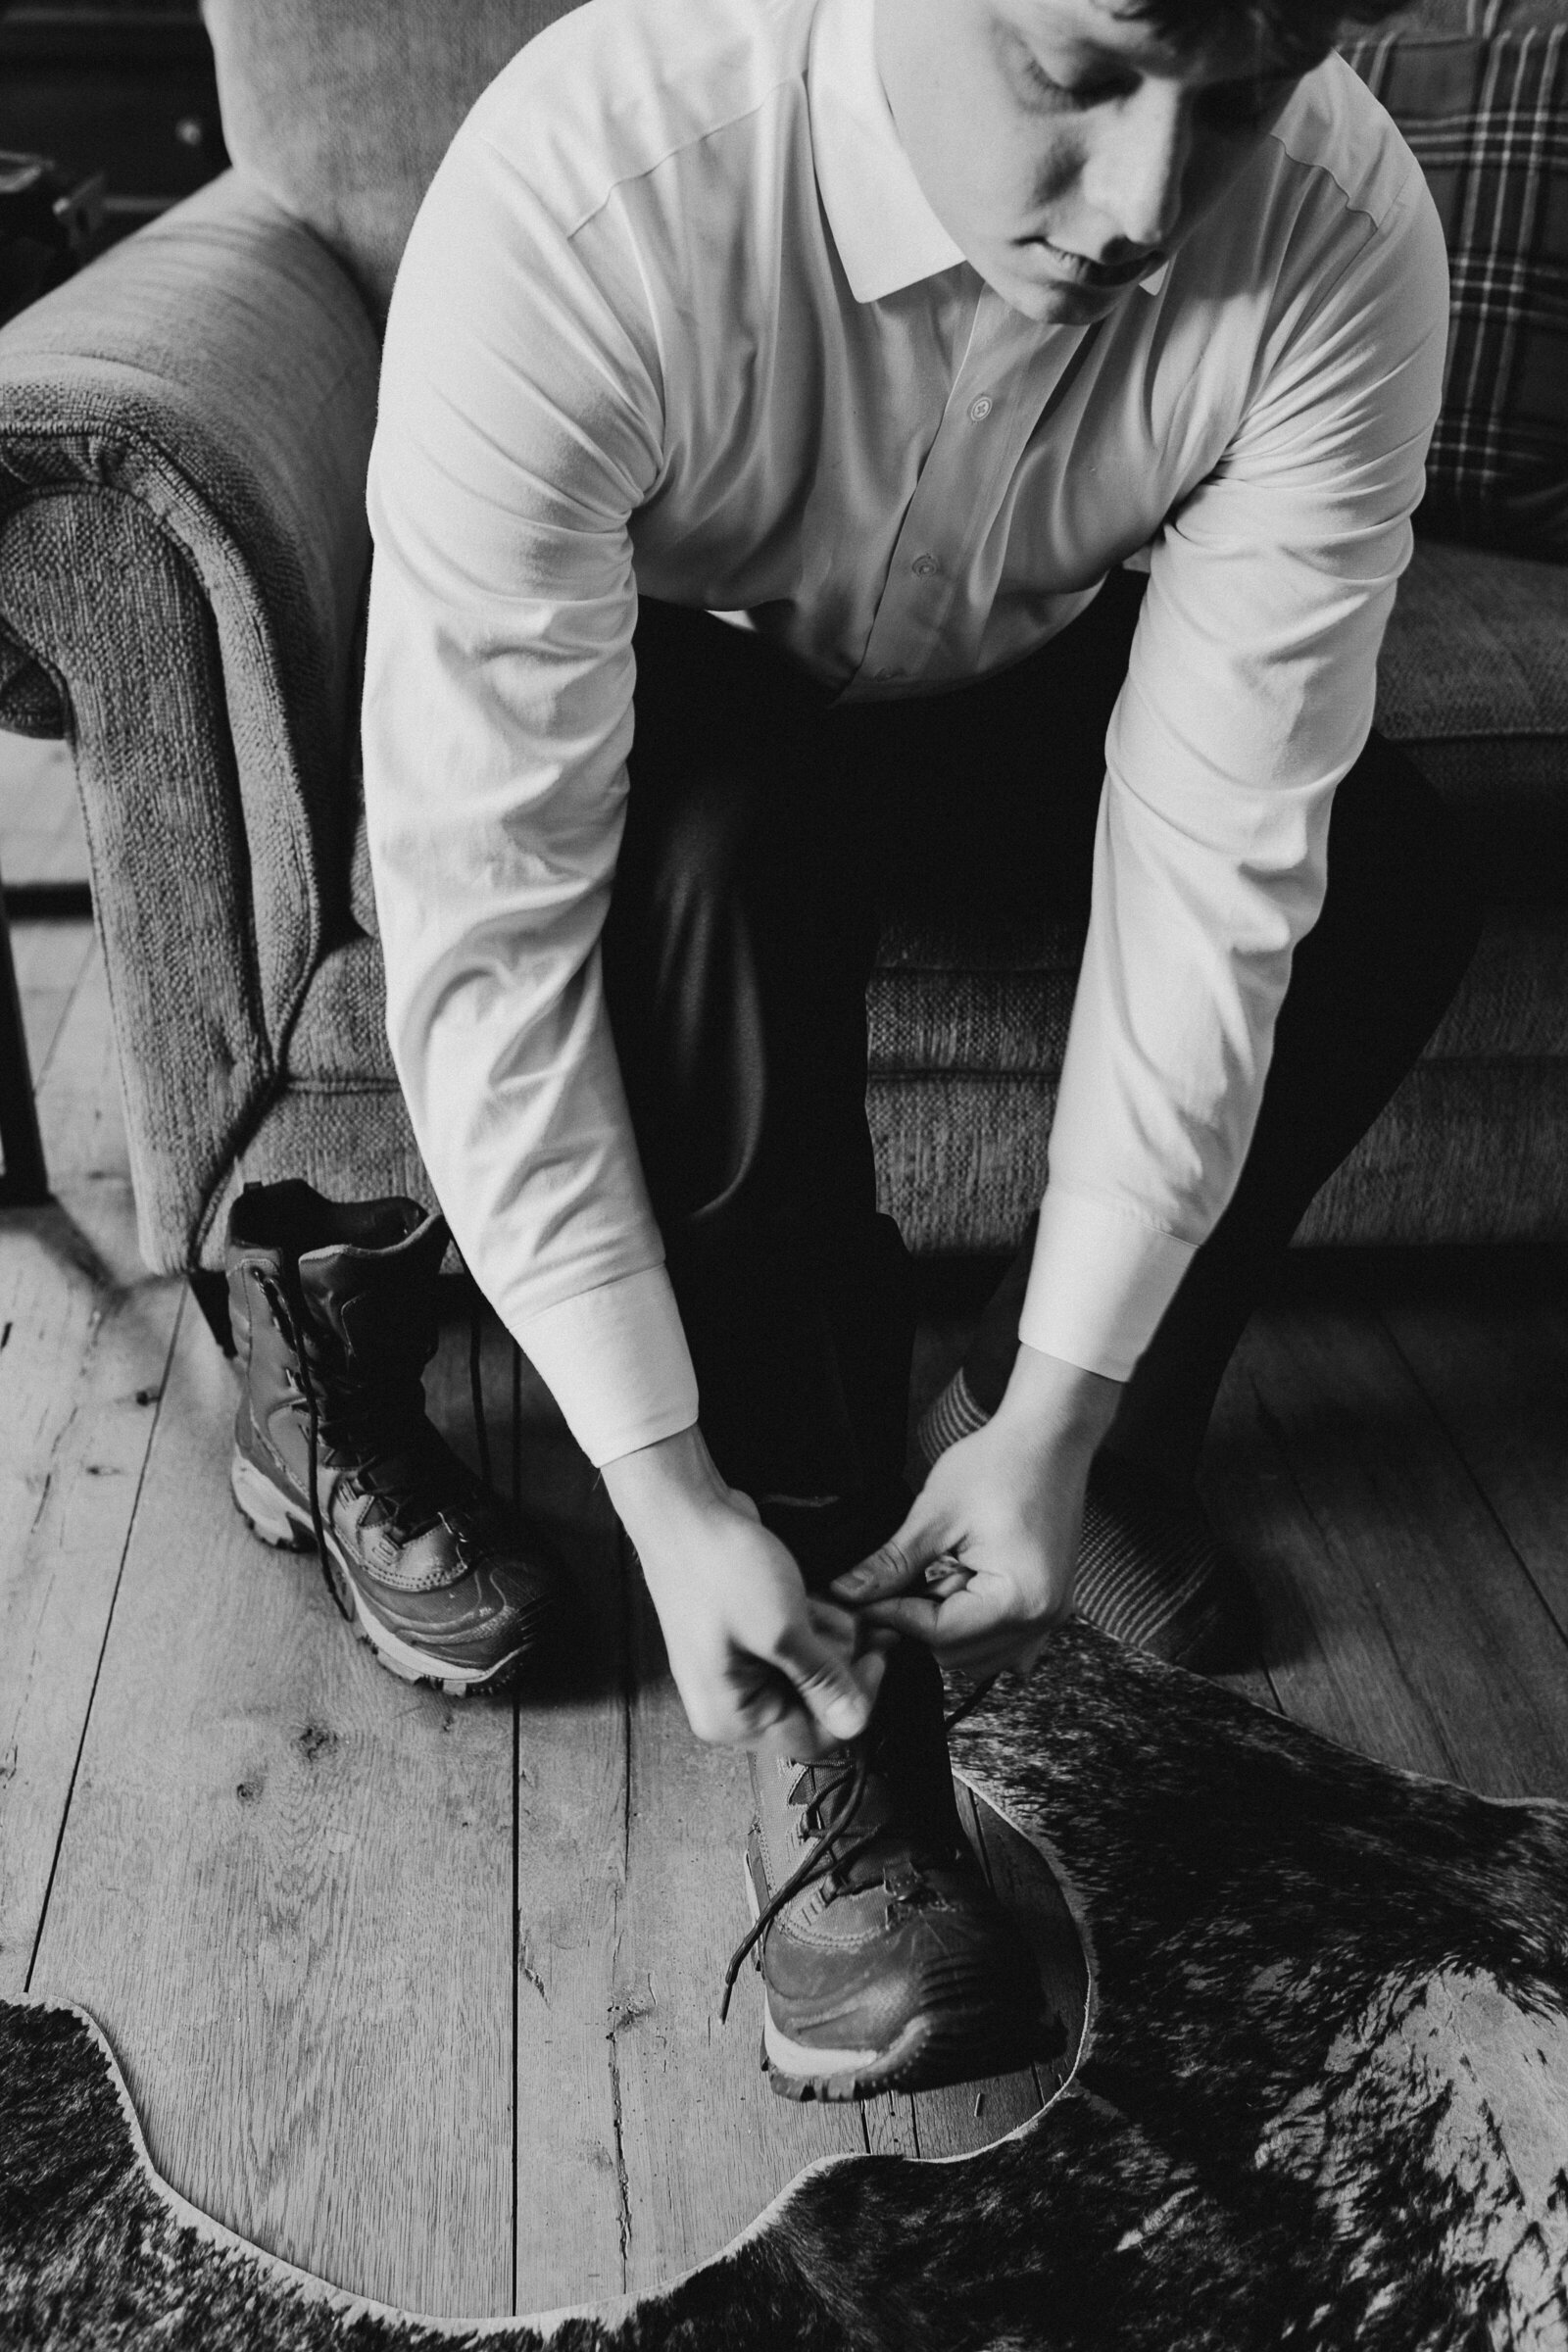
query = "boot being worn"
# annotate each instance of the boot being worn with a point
(1149, 1570)
(886, 1961)
(334, 1315)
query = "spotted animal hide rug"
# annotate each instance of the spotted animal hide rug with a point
(1322, 2103)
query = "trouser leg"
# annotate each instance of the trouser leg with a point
(737, 950)
(1368, 986)
(763, 826)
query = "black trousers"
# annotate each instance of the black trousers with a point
(768, 834)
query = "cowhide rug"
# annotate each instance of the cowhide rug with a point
(1323, 2103)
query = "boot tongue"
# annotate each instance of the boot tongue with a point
(378, 1303)
(828, 1784)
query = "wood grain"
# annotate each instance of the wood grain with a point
(705, 2144)
(285, 1890)
(59, 1576)
(51, 959)
(1489, 1348)
(82, 1359)
(1398, 1617)
(83, 1132)
(41, 837)
(570, 1857)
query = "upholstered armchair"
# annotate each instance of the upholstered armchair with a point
(184, 557)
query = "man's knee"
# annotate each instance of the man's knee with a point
(689, 847)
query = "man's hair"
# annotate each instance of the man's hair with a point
(1284, 31)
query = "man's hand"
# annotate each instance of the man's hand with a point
(983, 1565)
(756, 1662)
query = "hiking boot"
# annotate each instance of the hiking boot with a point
(334, 1310)
(887, 1963)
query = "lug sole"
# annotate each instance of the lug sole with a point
(933, 2050)
(929, 2054)
(281, 1523)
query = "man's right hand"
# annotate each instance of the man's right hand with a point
(757, 1662)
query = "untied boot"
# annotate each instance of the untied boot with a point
(335, 1312)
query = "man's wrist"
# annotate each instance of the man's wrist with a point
(1056, 1401)
(660, 1488)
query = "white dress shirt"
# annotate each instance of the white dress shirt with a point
(676, 317)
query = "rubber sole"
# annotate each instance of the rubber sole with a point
(284, 1526)
(934, 2049)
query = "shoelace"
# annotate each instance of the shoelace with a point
(481, 1435)
(821, 1859)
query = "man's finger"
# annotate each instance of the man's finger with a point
(906, 1615)
(966, 1616)
(839, 1691)
(963, 1631)
(896, 1566)
(771, 1715)
(794, 1733)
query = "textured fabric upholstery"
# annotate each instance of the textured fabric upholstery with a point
(1474, 682)
(1467, 1152)
(183, 436)
(342, 109)
(1477, 651)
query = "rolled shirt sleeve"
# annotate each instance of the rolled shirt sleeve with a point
(520, 428)
(1249, 694)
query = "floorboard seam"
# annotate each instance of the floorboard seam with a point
(516, 1962)
(98, 1663)
(622, 2179)
(627, 1570)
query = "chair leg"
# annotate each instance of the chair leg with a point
(211, 1294)
(25, 1182)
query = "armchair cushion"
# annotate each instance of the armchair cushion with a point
(1473, 680)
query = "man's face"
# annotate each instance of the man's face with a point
(1065, 146)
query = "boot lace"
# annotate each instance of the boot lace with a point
(828, 1859)
(376, 1416)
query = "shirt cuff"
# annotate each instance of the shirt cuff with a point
(616, 1362)
(1099, 1282)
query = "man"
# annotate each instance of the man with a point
(770, 388)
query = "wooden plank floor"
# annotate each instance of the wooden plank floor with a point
(425, 1996)
(41, 836)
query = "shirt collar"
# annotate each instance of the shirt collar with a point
(887, 236)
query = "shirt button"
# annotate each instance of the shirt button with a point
(980, 409)
(924, 564)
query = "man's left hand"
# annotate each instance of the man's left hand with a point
(983, 1565)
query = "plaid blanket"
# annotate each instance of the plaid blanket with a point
(1483, 104)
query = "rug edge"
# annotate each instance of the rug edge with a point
(348, 2307)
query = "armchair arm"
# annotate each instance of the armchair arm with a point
(184, 430)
